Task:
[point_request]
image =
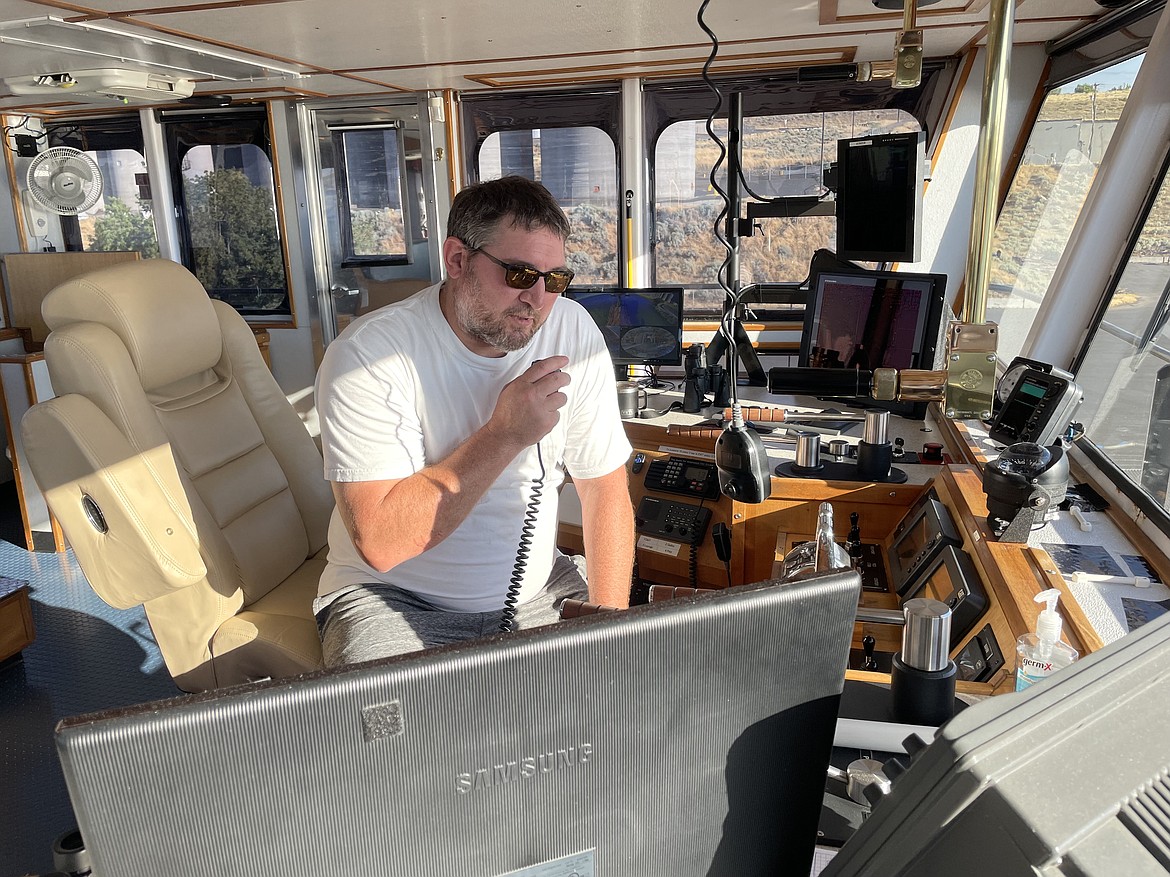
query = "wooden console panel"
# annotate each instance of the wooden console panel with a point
(1012, 574)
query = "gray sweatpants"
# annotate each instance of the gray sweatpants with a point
(365, 622)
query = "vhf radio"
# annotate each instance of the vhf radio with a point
(688, 477)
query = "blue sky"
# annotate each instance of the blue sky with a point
(1122, 73)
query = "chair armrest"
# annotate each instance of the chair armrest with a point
(140, 543)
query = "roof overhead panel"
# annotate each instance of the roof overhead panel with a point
(64, 44)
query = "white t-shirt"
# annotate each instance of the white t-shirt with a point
(398, 391)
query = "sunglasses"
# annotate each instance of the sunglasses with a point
(525, 276)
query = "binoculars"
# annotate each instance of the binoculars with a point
(702, 379)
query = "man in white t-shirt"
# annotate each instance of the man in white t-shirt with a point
(448, 422)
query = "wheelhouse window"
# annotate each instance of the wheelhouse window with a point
(369, 177)
(1064, 150)
(784, 156)
(229, 236)
(1126, 367)
(123, 217)
(568, 143)
(788, 139)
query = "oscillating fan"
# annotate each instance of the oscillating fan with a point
(64, 180)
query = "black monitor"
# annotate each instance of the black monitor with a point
(641, 326)
(1067, 777)
(874, 319)
(683, 737)
(879, 197)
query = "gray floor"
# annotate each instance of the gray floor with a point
(86, 657)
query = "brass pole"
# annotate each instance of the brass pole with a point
(993, 112)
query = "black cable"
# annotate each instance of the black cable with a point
(694, 563)
(725, 324)
(766, 199)
(694, 556)
(523, 549)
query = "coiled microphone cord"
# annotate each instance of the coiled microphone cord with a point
(523, 550)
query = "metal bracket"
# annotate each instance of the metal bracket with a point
(970, 370)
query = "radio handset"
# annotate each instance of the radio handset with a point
(742, 461)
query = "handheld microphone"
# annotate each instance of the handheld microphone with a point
(742, 462)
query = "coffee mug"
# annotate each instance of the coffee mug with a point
(631, 399)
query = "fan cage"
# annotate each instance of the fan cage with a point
(65, 180)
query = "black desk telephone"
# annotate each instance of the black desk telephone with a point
(696, 478)
(677, 521)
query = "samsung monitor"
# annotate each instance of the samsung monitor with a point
(1068, 777)
(641, 326)
(682, 737)
(874, 319)
(879, 197)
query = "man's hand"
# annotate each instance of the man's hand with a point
(391, 521)
(530, 406)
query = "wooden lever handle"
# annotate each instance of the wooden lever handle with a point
(693, 431)
(759, 415)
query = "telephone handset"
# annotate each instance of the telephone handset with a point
(696, 478)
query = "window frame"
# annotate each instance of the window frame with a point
(666, 103)
(1158, 514)
(348, 256)
(600, 107)
(106, 133)
(255, 124)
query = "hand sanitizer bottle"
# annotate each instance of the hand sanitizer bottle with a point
(1040, 654)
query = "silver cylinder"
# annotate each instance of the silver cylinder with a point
(808, 450)
(876, 427)
(926, 639)
(839, 448)
(871, 615)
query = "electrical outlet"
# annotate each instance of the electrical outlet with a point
(26, 145)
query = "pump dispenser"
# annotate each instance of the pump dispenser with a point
(1040, 654)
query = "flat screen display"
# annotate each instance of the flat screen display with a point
(873, 319)
(641, 326)
(921, 534)
(879, 197)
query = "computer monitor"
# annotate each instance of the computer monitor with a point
(684, 737)
(874, 319)
(641, 326)
(1067, 777)
(879, 197)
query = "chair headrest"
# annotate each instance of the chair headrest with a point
(157, 307)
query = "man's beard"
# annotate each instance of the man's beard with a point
(491, 328)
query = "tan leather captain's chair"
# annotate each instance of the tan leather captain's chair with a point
(180, 473)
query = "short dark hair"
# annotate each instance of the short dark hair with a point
(480, 209)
